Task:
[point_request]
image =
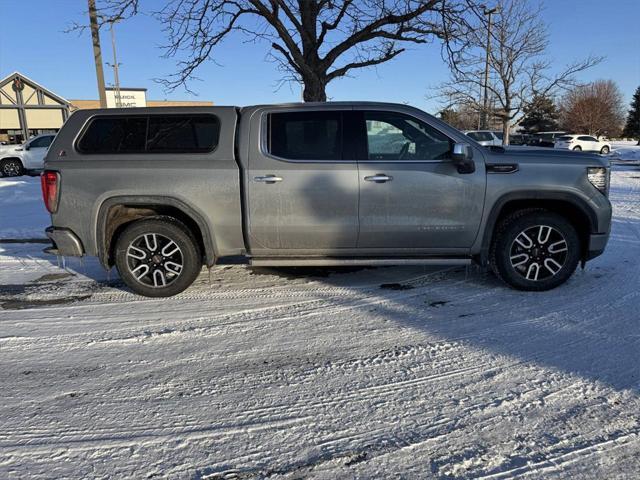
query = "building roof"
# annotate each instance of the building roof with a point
(34, 84)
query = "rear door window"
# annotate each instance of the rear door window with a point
(306, 135)
(42, 142)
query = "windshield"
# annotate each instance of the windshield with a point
(499, 135)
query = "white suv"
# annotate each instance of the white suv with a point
(585, 143)
(29, 156)
(486, 138)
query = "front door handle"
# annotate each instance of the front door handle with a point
(378, 178)
(267, 179)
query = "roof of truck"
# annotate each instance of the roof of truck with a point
(159, 110)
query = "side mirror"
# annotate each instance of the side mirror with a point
(27, 147)
(463, 158)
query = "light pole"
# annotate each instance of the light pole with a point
(115, 66)
(483, 119)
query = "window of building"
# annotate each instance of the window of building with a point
(306, 135)
(396, 136)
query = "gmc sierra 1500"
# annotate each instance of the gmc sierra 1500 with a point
(160, 192)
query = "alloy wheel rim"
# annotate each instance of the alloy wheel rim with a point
(538, 253)
(154, 260)
(10, 169)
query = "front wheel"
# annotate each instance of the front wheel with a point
(577, 149)
(12, 167)
(605, 150)
(157, 257)
(535, 250)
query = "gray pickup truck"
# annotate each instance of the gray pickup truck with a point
(160, 192)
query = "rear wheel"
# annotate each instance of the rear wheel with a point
(605, 150)
(535, 250)
(11, 167)
(577, 148)
(157, 257)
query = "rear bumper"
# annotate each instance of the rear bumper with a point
(65, 242)
(597, 244)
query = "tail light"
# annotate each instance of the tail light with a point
(50, 189)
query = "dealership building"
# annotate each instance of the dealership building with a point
(28, 109)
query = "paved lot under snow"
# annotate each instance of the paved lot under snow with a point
(385, 372)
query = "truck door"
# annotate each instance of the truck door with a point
(411, 194)
(302, 184)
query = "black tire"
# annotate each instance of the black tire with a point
(513, 263)
(577, 149)
(604, 150)
(158, 232)
(11, 167)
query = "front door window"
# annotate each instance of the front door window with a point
(395, 136)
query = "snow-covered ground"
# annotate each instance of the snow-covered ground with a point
(625, 152)
(361, 373)
(22, 211)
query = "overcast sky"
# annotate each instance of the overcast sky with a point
(33, 43)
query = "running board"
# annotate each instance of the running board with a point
(327, 262)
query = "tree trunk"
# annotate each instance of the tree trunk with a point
(506, 125)
(314, 90)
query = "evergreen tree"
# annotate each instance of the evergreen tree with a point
(632, 127)
(540, 115)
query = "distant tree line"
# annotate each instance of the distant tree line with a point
(595, 108)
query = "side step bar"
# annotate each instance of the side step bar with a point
(329, 261)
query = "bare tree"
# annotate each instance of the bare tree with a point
(517, 63)
(596, 109)
(462, 117)
(313, 41)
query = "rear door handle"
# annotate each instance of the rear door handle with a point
(267, 179)
(378, 178)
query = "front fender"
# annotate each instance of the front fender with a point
(536, 198)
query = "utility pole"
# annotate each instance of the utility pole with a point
(97, 52)
(115, 66)
(485, 100)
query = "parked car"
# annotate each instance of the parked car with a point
(518, 139)
(544, 139)
(580, 143)
(486, 138)
(158, 192)
(17, 159)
